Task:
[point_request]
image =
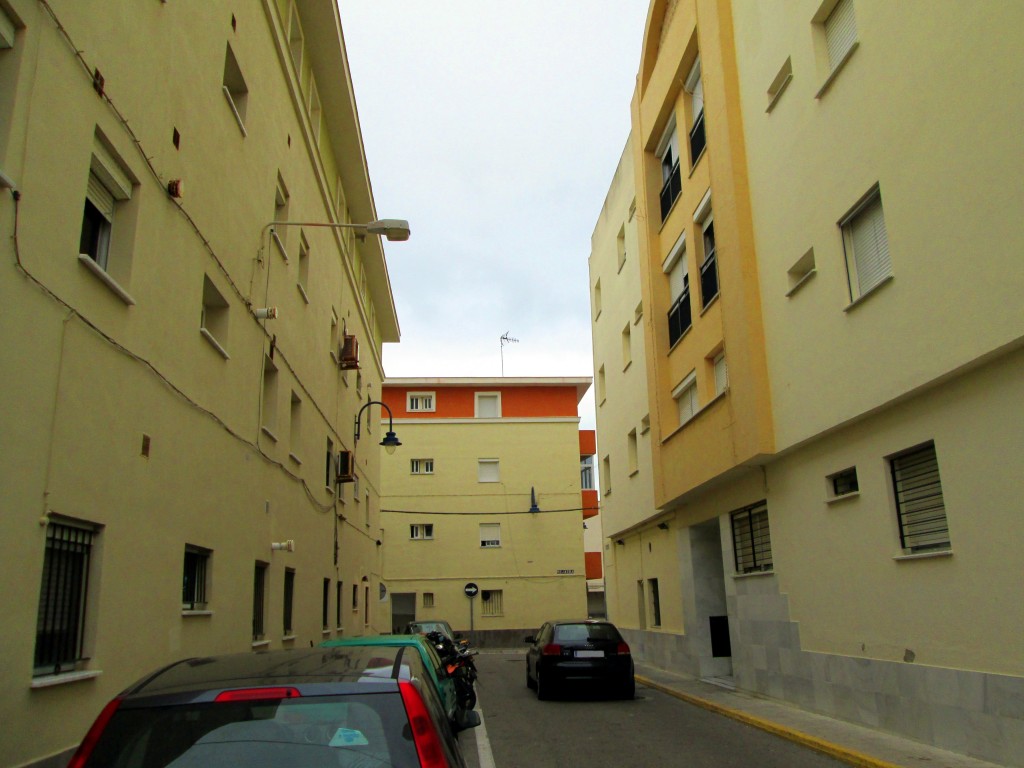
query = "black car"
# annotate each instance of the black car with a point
(585, 651)
(360, 707)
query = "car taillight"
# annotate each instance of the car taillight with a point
(258, 694)
(551, 649)
(424, 733)
(622, 649)
(81, 756)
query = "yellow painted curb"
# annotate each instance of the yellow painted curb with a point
(848, 756)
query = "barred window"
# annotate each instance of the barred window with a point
(289, 600)
(194, 579)
(919, 503)
(428, 599)
(60, 626)
(259, 602)
(751, 539)
(490, 602)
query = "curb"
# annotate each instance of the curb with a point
(849, 756)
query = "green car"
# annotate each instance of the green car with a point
(460, 719)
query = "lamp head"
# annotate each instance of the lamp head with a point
(396, 230)
(390, 442)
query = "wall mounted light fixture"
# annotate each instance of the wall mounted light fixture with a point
(390, 441)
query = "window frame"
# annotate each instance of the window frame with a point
(492, 542)
(196, 579)
(671, 176)
(906, 544)
(492, 602)
(481, 464)
(694, 87)
(421, 531)
(760, 540)
(421, 466)
(259, 601)
(687, 385)
(478, 396)
(411, 397)
(876, 265)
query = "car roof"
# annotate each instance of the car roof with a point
(580, 621)
(298, 666)
(382, 641)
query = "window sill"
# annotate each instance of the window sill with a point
(924, 555)
(268, 433)
(778, 94)
(234, 110)
(329, 490)
(693, 166)
(48, 681)
(680, 339)
(280, 245)
(257, 644)
(302, 292)
(844, 497)
(325, 633)
(295, 459)
(626, 366)
(634, 473)
(753, 574)
(695, 414)
(288, 639)
(835, 72)
(214, 343)
(864, 296)
(187, 613)
(710, 304)
(800, 283)
(101, 274)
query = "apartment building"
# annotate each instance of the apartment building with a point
(485, 490)
(193, 316)
(836, 435)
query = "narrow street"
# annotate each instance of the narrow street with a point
(582, 729)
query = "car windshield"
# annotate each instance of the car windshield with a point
(423, 627)
(353, 731)
(585, 633)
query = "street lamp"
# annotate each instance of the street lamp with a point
(390, 441)
(396, 230)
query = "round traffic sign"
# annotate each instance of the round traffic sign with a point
(471, 589)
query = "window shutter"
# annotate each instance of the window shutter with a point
(721, 374)
(840, 32)
(676, 278)
(870, 245)
(100, 196)
(697, 99)
(922, 510)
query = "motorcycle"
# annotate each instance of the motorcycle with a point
(458, 661)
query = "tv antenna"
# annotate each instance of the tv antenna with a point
(506, 339)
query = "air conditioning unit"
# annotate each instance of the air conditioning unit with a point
(348, 354)
(344, 467)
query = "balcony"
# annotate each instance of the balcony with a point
(670, 190)
(708, 279)
(697, 141)
(679, 317)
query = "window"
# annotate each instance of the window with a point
(289, 599)
(488, 471)
(709, 269)
(721, 371)
(685, 396)
(60, 625)
(597, 299)
(419, 401)
(488, 405)
(606, 476)
(627, 348)
(335, 352)
(919, 504)
(355, 597)
(778, 85)
(194, 579)
(645, 424)
(652, 591)
(282, 203)
(421, 531)
(213, 321)
(752, 543)
(422, 466)
(490, 534)
(620, 246)
(325, 604)
(587, 473)
(801, 271)
(671, 180)
(601, 394)
(235, 90)
(866, 245)
(490, 602)
(631, 453)
(843, 483)
(679, 316)
(7, 30)
(269, 420)
(694, 86)
(840, 33)
(259, 602)
(329, 469)
(295, 428)
(428, 599)
(303, 283)
(338, 623)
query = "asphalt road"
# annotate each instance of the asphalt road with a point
(588, 730)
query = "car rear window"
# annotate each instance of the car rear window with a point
(585, 633)
(310, 732)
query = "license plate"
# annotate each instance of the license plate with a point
(589, 654)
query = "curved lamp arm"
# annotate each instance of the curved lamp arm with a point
(390, 441)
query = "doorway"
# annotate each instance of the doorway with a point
(713, 648)
(403, 610)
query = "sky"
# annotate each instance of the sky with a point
(495, 129)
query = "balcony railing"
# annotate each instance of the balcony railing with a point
(670, 190)
(708, 279)
(697, 141)
(679, 317)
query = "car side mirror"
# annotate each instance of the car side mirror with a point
(466, 719)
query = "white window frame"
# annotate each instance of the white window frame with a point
(840, 33)
(668, 146)
(491, 602)
(421, 466)
(490, 535)
(483, 473)
(476, 404)
(421, 531)
(687, 399)
(421, 402)
(866, 245)
(907, 468)
(721, 369)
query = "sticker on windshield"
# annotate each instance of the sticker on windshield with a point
(346, 737)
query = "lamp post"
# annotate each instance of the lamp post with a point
(396, 230)
(390, 441)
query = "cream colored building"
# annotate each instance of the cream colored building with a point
(168, 447)
(841, 496)
(485, 490)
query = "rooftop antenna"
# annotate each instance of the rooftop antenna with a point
(506, 339)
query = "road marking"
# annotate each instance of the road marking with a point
(483, 744)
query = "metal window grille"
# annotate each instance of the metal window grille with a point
(679, 316)
(697, 138)
(289, 596)
(751, 539)
(919, 503)
(325, 612)
(845, 482)
(193, 591)
(709, 269)
(671, 189)
(337, 606)
(259, 595)
(490, 602)
(60, 626)
(655, 602)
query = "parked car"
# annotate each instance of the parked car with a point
(422, 627)
(586, 651)
(443, 682)
(358, 707)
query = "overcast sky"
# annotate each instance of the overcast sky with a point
(495, 129)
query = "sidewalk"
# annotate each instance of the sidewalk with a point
(853, 744)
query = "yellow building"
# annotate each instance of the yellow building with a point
(487, 492)
(169, 445)
(836, 436)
